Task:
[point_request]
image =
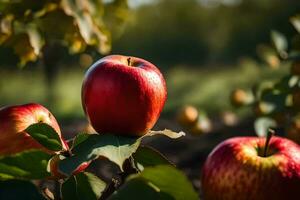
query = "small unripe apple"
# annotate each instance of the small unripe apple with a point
(263, 108)
(187, 115)
(123, 95)
(273, 61)
(229, 118)
(202, 125)
(13, 122)
(240, 97)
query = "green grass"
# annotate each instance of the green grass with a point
(208, 88)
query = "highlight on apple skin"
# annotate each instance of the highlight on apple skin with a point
(13, 122)
(237, 169)
(123, 95)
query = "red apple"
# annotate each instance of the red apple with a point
(123, 95)
(13, 138)
(13, 122)
(238, 168)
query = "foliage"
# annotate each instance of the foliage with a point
(276, 104)
(220, 33)
(30, 27)
(25, 165)
(159, 183)
(137, 164)
(19, 189)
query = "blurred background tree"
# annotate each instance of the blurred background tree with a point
(202, 46)
(50, 30)
(197, 32)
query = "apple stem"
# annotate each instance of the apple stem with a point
(271, 133)
(129, 61)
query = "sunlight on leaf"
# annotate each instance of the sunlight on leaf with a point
(113, 147)
(280, 42)
(82, 186)
(166, 132)
(25, 165)
(159, 182)
(262, 125)
(296, 22)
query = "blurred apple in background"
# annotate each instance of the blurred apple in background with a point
(202, 125)
(187, 115)
(240, 97)
(229, 118)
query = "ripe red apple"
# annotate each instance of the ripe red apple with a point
(13, 138)
(123, 95)
(238, 168)
(13, 122)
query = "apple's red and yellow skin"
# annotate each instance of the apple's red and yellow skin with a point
(13, 122)
(235, 170)
(123, 95)
(13, 138)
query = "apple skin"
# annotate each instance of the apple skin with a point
(234, 170)
(14, 121)
(123, 95)
(14, 139)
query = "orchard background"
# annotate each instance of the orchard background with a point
(205, 48)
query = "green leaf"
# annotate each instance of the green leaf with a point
(148, 157)
(45, 135)
(89, 21)
(280, 42)
(83, 186)
(275, 100)
(286, 83)
(6, 24)
(115, 148)
(79, 138)
(69, 189)
(35, 38)
(25, 165)
(269, 55)
(294, 56)
(262, 126)
(137, 189)
(162, 182)
(296, 22)
(18, 189)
